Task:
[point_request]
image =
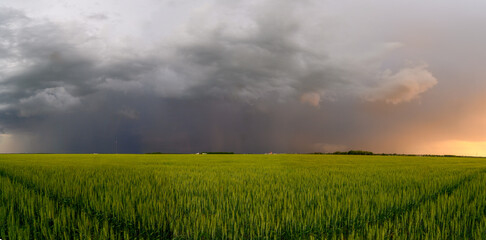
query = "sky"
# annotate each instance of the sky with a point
(243, 76)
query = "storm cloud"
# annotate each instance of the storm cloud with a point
(258, 76)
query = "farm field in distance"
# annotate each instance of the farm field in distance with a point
(283, 196)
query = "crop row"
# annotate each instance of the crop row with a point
(460, 214)
(25, 214)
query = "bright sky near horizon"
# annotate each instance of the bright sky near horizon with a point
(243, 76)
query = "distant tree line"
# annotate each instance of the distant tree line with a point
(197, 153)
(355, 152)
(217, 152)
(351, 152)
(361, 152)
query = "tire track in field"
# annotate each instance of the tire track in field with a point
(4, 225)
(397, 212)
(114, 222)
(481, 213)
(26, 220)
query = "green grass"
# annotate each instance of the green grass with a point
(241, 197)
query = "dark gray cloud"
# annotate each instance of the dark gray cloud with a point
(255, 77)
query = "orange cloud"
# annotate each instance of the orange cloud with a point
(311, 98)
(403, 86)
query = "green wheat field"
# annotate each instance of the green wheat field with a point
(97, 196)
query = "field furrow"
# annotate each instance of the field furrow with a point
(459, 214)
(109, 221)
(446, 190)
(27, 214)
(346, 230)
